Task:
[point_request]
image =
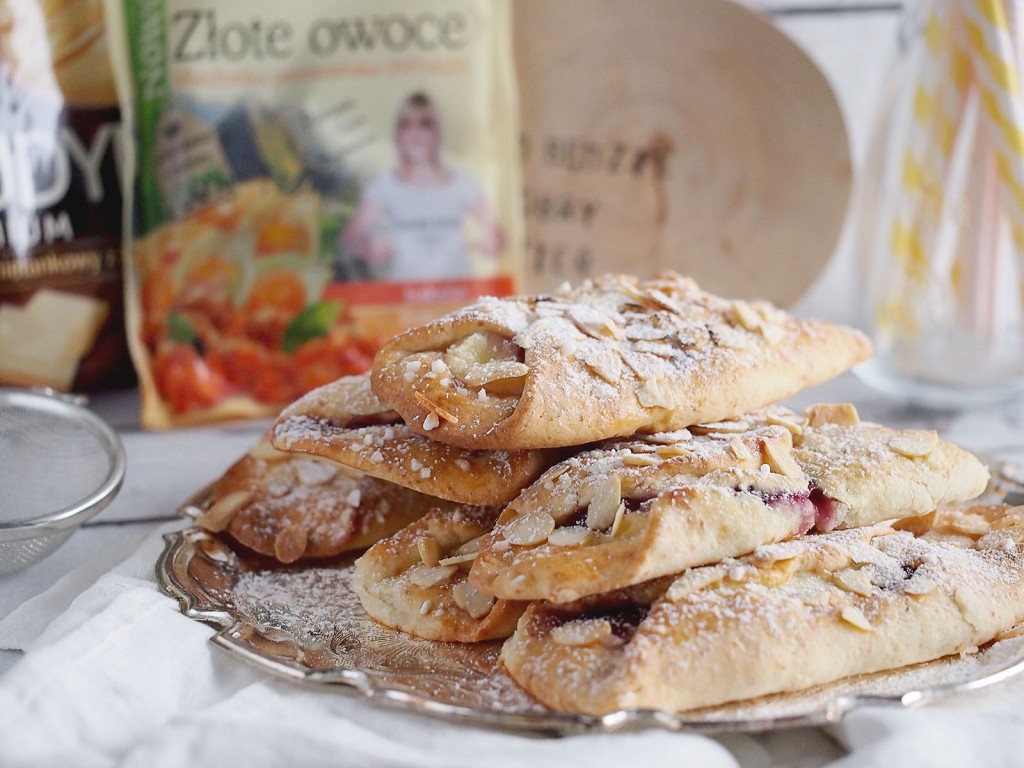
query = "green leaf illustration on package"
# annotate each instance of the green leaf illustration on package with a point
(314, 322)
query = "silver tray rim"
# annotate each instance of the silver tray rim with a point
(232, 629)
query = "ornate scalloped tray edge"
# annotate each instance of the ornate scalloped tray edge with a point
(305, 623)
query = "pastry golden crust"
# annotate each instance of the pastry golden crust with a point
(416, 580)
(634, 510)
(792, 615)
(345, 423)
(614, 357)
(291, 506)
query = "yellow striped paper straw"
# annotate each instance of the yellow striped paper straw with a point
(938, 99)
(992, 53)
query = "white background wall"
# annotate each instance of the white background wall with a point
(854, 43)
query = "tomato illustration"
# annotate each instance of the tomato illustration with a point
(184, 379)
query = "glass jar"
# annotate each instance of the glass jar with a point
(937, 229)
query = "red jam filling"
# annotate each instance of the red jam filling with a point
(814, 508)
(579, 517)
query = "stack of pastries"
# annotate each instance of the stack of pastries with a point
(599, 477)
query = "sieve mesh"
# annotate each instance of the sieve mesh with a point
(48, 461)
(59, 466)
(18, 554)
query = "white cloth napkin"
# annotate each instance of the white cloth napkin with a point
(119, 677)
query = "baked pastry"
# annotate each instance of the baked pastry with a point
(611, 358)
(416, 580)
(291, 506)
(634, 510)
(792, 615)
(346, 423)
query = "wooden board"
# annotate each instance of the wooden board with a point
(682, 134)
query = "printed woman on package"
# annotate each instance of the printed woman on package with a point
(410, 224)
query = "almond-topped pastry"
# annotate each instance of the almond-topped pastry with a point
(346, 423)
(611, 358)
(790, 616)
(290, 506)
(416, 580)
(634, 510)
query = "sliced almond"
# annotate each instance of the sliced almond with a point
(606, 363)
(658, 349)
(656, 393)
(773, 334)
(470, 599)
(620, 515)
(222, 512)
(464, 557)
(1007, 521)
(733, 338)
(532, 528)
(769, 312)
(582, 632)
(425, 577)
(693, 335)
(435, 408)
(817, 599)
(311, 472)
(746, 316)
(429, 549)
(279, 480)
(694, 580)
(740, 450)
(672, 451)
(607, 496)
(851, 614)
(662, 300)
(594, 322)
(843, 414)
(640, 460)
(787, 420)
(780, 458)
(856, 581)
(915, 443)
(731, 427)
(781, 552)
(569, 536)
(267, 452)
(919, 586)
(562, 505)
(644, 332)
(667, 438)
(290, 543)
(484, 373)
(473, 545)
(969, 524)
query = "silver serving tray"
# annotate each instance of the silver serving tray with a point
(304, 623)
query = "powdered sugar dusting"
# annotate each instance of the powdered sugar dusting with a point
(310, 616)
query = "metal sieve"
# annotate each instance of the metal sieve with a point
(60, 464)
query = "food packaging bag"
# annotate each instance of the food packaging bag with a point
(61, 315)
(308, 179)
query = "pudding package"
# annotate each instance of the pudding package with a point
(61, 316)
(308, 179)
